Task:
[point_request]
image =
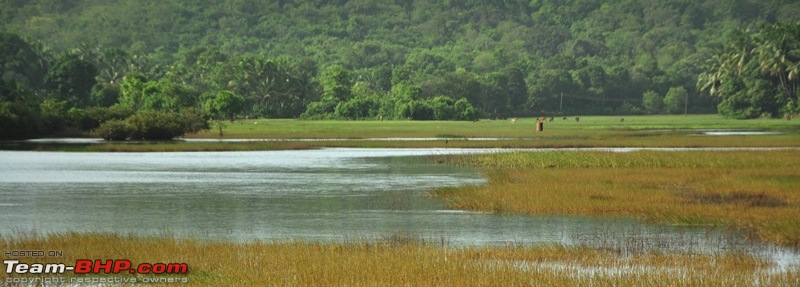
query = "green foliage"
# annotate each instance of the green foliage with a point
(105, 94)
(755, 75)
(224, 104)
(319, 110)
(194, 120)
(156, 125)
(20, 61)
(465, 111)
(53, 115)
(336, 83)
(166, 95)
(115, 130)
(18, 121)
(148, 125)
(131, 90)
(675, 100)
(396, 58)
(359, 108)
(70, 79)
(95, 116)
(417, 110)
(443, 108)
(652, 102)
(271, 87)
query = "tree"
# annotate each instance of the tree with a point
(20, 62)
(465, 111)
(675, 100)
(336, 83)
(166, 95)
(131, 90)
(755, 75)
(156, 125)
(778, 54)
(652, 102)
(224, 104)
(443, 108)
(71, 79)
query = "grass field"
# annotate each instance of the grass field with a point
(589, 126)
(593, 131)
(399, 262)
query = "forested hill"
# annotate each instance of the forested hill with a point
(506, 58)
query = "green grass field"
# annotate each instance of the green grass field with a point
(591, 131)
(589, 126)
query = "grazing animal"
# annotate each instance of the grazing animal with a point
(552, 119)
(564, 118)
(514, 120)
(578, 119)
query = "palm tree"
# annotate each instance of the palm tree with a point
(778, 55)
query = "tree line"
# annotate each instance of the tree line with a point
(72, 66)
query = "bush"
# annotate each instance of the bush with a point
(18, 121)
(53, 115)
(115, 130)
(319, 110)
(156, 125)
(443, 108)
(415, 110)
(675, 100)
(95, 116)
(358, 108)
(652, 102)
(465, 110)
(194, 120)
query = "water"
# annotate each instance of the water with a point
(309, 195)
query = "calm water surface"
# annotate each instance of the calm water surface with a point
(308, 195)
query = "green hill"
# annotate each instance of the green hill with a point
(507, 58)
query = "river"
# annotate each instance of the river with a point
(338, 194)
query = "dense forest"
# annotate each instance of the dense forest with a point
(146, 69)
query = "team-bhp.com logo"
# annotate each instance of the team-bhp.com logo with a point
(86, 266)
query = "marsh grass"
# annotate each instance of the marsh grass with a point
(406, 263)
(757, 192)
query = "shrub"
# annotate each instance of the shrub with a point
(194, 120)
(443, 108)
(95, 116)
(115, 130)
(465, 110)
(363, 107)
(18, 121)
(156, 125)
(652, 102)
(319, 110)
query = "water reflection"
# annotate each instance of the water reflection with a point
(326, 194)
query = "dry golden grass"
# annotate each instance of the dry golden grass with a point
(402, 263)
(754, 191)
